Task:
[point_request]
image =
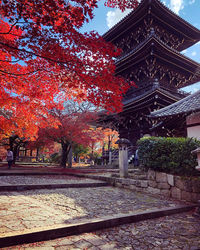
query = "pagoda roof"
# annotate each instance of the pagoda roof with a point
(185, 106)
(156, 93)
(171, 21)
(153, 46)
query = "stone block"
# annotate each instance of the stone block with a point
(125, 181)
(137, 189)
(153, 184)
(188, 185)
(153, 190)
(170, 179)
(163, 185)
(151, 175)
(144, 184)
(196, 185)
(119, 184)
(187, 196)
(179, 182)
(165, 192)
(161, 177)
(183, 184)
(176, 193)
(132, 182)
(132, 187)
(195, 197)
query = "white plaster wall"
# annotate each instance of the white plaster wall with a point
(195, 130)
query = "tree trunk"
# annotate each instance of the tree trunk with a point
(109, 143)
(14, 146)
(37, 154)
(65, 152)
(15, 150)
(70, 157)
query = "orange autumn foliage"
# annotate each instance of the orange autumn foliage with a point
(44, 60)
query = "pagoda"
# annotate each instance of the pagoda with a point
(151, 38)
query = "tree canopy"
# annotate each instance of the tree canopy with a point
(74, 127)
(45, 60)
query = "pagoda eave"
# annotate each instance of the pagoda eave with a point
(154, 49)
(157, 91)
(156, 10)
(157, 95)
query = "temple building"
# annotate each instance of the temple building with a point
(186, 111)
(151, 38)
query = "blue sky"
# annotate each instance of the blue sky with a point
(189, 10)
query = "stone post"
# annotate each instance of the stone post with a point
(197, 151)
(123, 157)
(110, 157)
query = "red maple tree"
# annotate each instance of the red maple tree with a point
(122, 4)
(45, 59)
(74, 127)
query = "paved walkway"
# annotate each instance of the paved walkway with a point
(177, 232)
(37, 208)
(40, 208)
(42, 179)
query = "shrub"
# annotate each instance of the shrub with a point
(55, 158)
(170, 155)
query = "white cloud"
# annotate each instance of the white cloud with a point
(192, 88)
(194, 53)
(184, 51)
(191, 1)
(115, 16)
(176, 5)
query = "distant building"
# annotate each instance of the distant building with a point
(151, 38)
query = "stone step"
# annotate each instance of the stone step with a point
(52, 186)
(62, 230)
(138, 176)
(143, 183)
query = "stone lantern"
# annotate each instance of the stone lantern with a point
(197, 151)
(123, 156)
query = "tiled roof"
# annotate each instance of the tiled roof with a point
(153, 90)
(185, 106)
(146, 4)
(149, 39)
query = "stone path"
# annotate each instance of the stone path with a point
(42, 179)
(177, 232)
(37, 208)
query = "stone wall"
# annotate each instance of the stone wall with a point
(180, 188)
(168, 185)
